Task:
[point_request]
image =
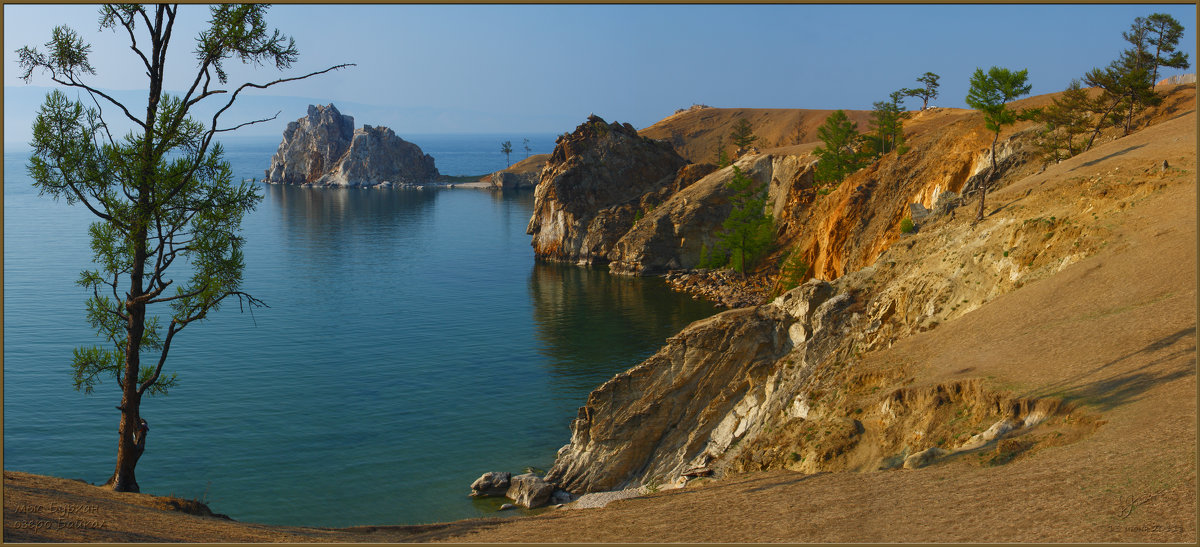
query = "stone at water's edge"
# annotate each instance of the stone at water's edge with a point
(529, 490)
(324, 149)
(505, 180)
(593, 187)
(493, 483)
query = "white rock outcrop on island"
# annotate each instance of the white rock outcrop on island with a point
(324, 149)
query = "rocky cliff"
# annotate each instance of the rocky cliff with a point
(324, 149)
(793, 383)
(656, 227)
(592, 187)
(671, 235)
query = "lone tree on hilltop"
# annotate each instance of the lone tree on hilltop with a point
(1127, 83)
(742, 134)
(527, 148)
(506, 149)
(1134, 69)
(929, 91)
(841, 152)
(1164, 33)
(161, 194)
(990, 92)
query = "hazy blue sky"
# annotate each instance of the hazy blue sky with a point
(473, 68)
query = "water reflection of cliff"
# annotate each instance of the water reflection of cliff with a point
(348, 224)
(592, 322)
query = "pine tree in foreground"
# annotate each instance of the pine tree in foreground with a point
(162, 194)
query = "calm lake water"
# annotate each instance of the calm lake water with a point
(411, 344)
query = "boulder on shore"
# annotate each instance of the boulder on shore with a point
(521, 175)
(506, 180)
(324, 149)
(492, 483)
(529, 490)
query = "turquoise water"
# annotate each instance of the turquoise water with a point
(412, 343)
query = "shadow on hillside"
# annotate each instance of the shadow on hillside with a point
(776, 482)
(1110, 156)
(421, 532)
(1114, 391)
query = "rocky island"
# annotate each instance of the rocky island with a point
(324, 149)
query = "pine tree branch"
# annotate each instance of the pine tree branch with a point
(244, 124)
(128, 26)
(162, 358)
(248, 85)
(203, 148)
(71, 82)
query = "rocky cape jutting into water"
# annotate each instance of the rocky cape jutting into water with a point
(787, 383)
(592, 187)
(324, 149)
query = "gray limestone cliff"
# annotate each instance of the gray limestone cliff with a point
(324, 149)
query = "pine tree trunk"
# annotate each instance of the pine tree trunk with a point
(131, 444)
(132, 441)
(991, 175)
(1157, 53)
(1129, 115)
(1100, 124)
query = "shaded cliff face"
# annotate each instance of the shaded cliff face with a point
(591, 188)
(672, 234)
(793, 383)
(324, 149)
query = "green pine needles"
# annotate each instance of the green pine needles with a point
(842, 151)
(791, 273)
(748, 231)
(887, 125)
(990, 94)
